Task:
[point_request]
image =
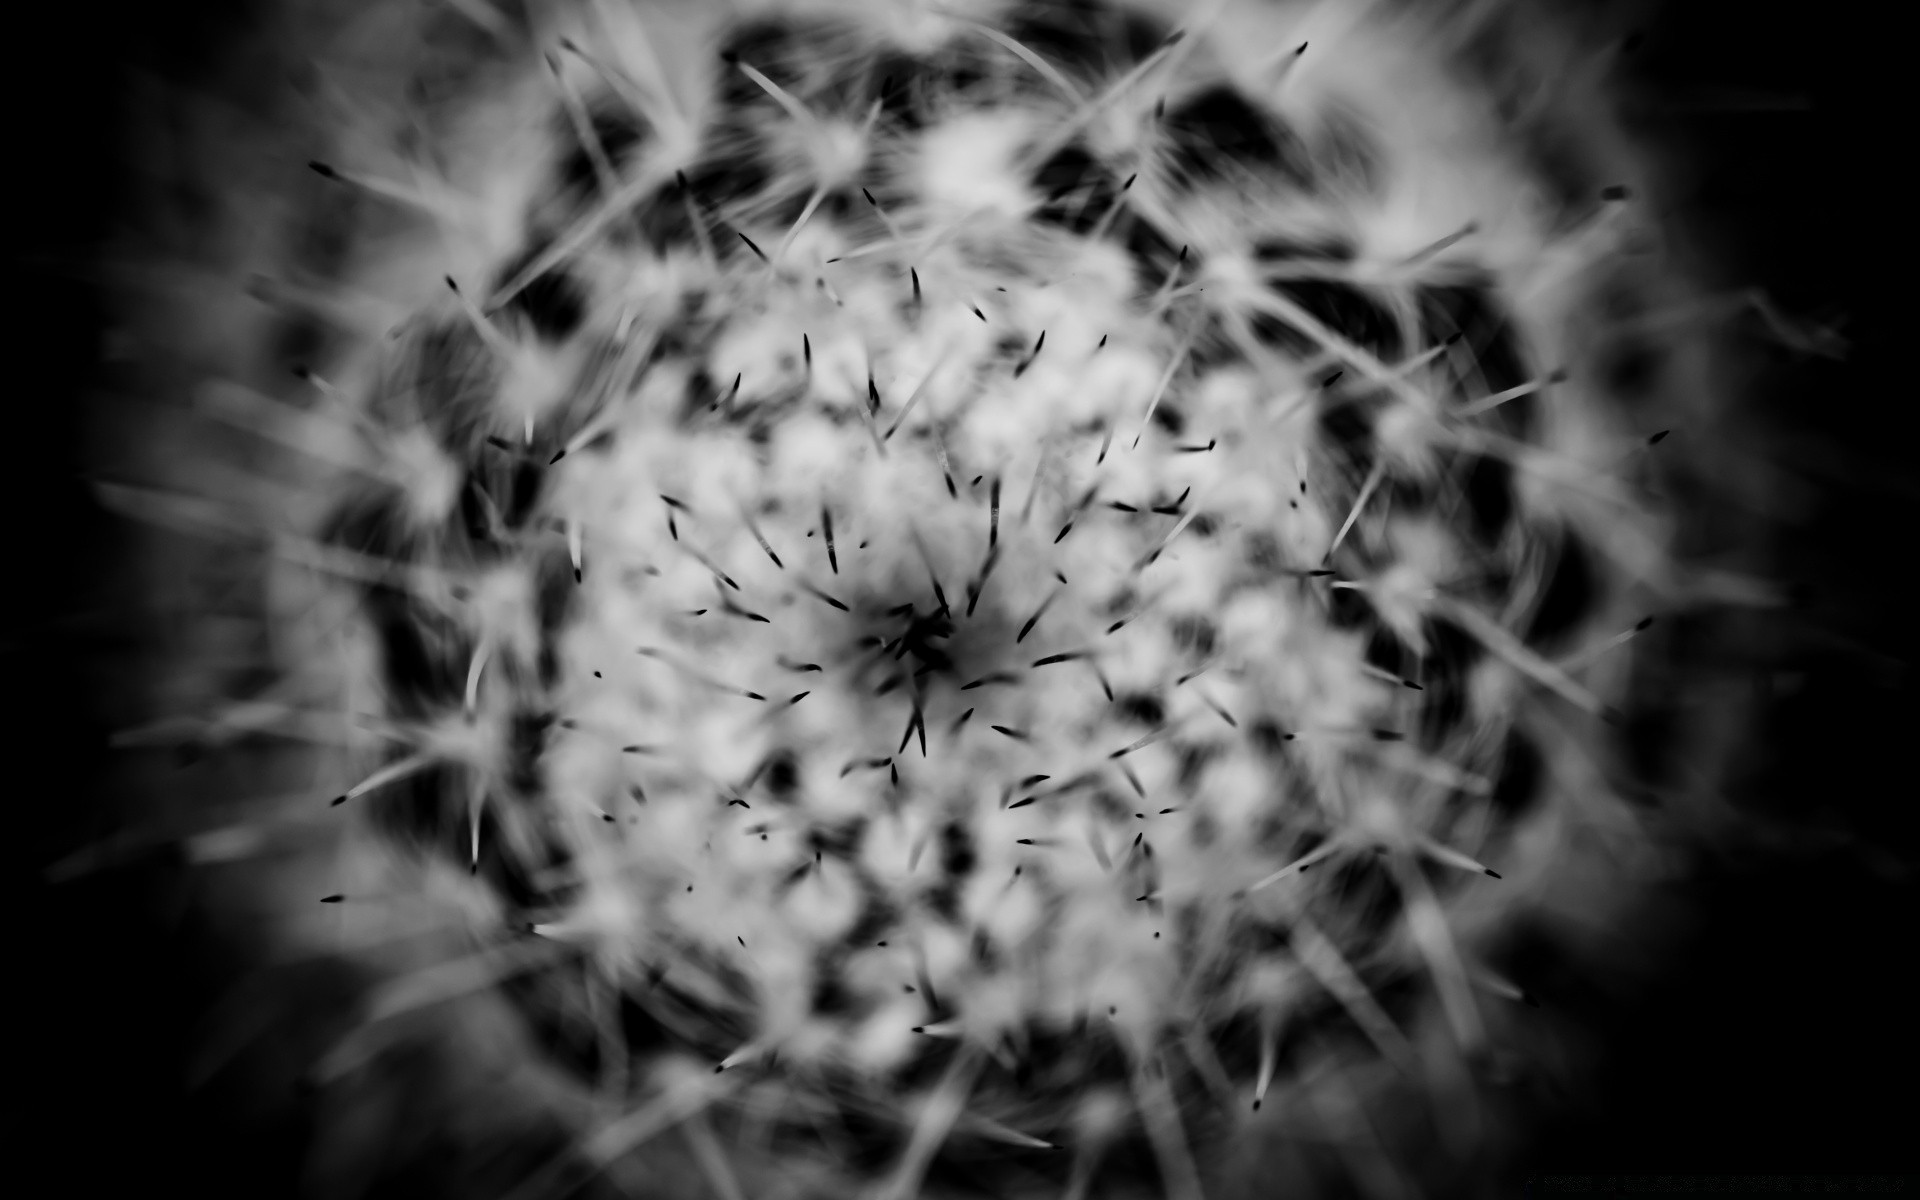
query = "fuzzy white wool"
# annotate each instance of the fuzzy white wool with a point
(1200, 686)
(430, 476)
(966, 167)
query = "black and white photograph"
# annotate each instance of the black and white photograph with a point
(964, 599)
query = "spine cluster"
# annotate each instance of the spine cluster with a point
(988, 599)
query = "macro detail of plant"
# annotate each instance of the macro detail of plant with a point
(1044, 599)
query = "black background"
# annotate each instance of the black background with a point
(1780, 1048)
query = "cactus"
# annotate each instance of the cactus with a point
(1019, 600)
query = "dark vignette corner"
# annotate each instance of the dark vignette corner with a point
(113, 987)
(1785, 1043)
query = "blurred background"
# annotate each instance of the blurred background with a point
(1786, 1043)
